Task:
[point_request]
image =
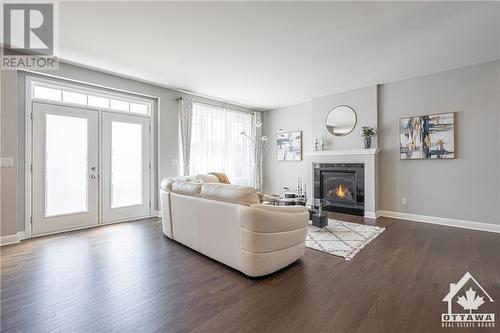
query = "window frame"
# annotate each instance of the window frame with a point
(224, 108)
(101, 93)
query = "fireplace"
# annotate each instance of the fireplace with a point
(341, 186)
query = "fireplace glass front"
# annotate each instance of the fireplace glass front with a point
(340, 186)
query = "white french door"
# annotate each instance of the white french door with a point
(65, 168)
(89, 167)
(125, 168)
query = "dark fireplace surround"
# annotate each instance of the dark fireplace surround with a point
(341, 186)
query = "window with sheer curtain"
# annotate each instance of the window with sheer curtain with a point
(217, 144)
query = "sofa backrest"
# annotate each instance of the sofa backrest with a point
(191, 188)
(166, 183)
(213, 177)
(242, 195)
(211, 186)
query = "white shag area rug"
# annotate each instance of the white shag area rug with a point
(339, 238)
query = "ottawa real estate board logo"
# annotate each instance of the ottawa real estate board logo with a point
(29, 36)
(468, 305)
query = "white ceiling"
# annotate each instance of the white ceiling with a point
(268, 55)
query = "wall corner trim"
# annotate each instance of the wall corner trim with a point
(22, 235)
(371, 215)
(9, 239)
(481, 226)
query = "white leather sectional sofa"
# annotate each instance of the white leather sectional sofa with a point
(229, 224)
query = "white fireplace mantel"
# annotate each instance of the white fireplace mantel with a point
(343, 152)
(368, 157)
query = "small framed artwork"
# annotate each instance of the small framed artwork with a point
(289, 146)
(427, 137)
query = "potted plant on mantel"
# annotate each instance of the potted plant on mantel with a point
(367, 132)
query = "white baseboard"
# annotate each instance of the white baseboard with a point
(370, 215)
(9, 239)
(441, 221)
(156, 213)
(21, 235)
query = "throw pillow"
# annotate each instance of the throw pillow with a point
(222, 177)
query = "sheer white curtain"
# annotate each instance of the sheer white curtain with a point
(217, 145)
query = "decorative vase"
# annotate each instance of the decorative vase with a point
(368, 142)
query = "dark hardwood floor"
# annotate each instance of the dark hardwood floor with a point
(129, 277)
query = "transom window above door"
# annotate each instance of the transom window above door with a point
(95, 99)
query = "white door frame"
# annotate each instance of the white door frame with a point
(109, 214)
(43, 224)
(90, 88)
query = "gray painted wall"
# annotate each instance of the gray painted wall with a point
(465, 188)
(283, 173)
(433, 188)
(364, 103)
(8, 145)
(13, 138)
(310, 118)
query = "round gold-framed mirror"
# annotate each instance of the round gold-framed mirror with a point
(341, 120)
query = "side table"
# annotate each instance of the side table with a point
(319, 219)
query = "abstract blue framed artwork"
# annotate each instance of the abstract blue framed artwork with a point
(427, 137)
(289, 146)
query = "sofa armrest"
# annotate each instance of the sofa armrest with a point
(265, 218)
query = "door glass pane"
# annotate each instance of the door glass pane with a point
(126, 164)
(66, 165)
